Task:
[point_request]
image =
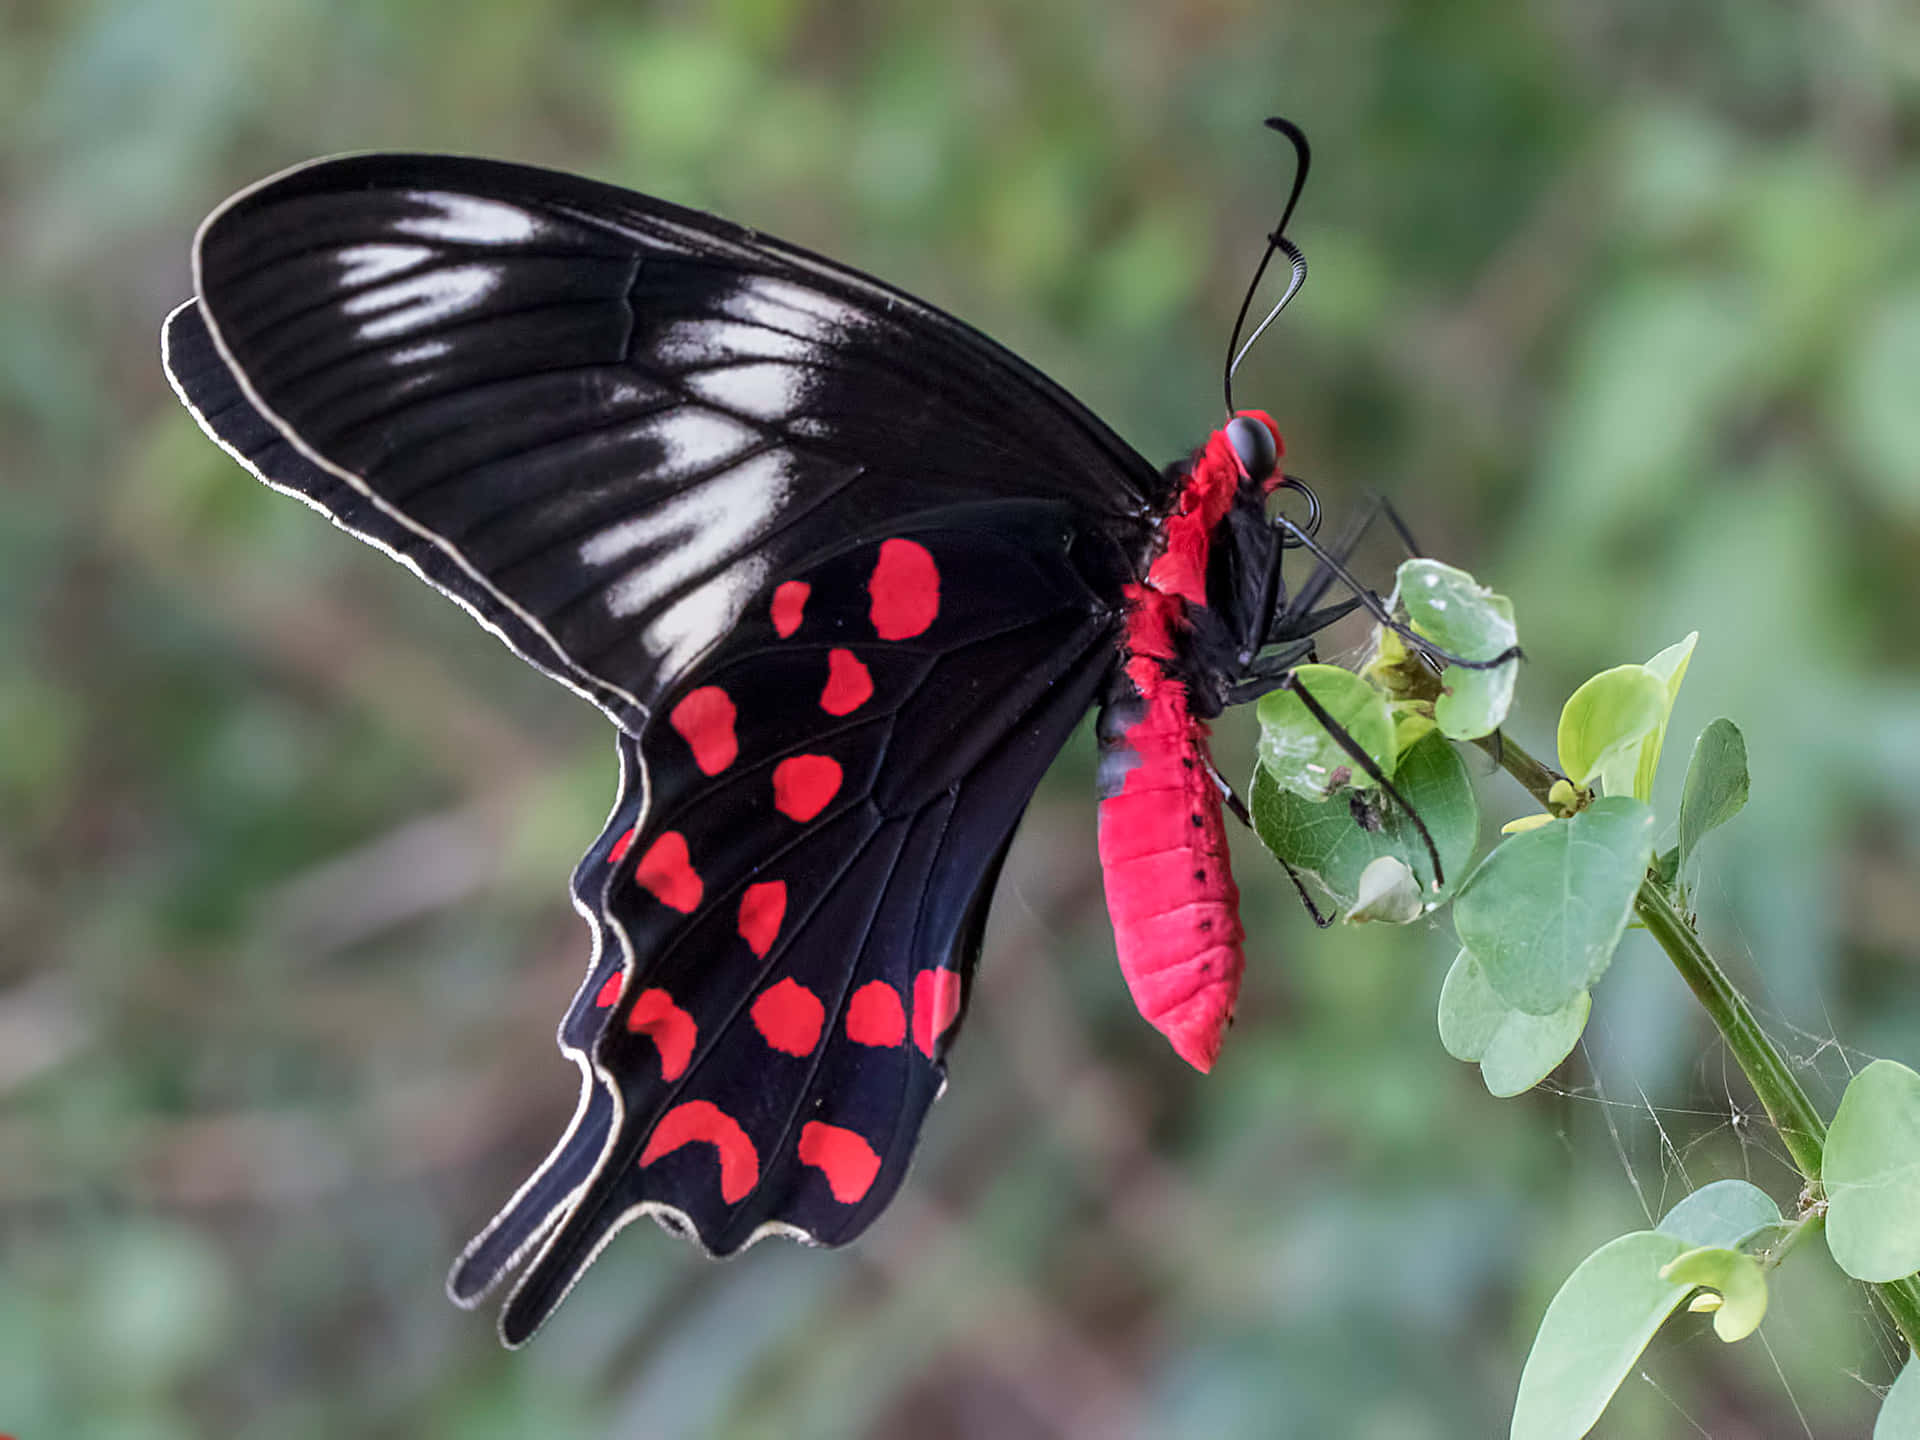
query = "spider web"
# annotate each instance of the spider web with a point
(1665, 1151)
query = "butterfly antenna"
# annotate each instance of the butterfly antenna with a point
(1276, 242)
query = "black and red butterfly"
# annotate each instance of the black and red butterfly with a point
(844, 574)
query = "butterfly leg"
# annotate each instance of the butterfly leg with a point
(1366, 762)
(1333, 567)
(1238, 809)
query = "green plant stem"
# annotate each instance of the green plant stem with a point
(1787, 1105)
(1766, 1069)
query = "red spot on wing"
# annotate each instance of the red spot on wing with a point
(672, 1029)
(790, 605)
(609, 992)
(849, 686)
(620, 848)
(875, 1015)
(789, 1017)
(762, 909)
(702, 1120)
(667, 873)
(804, 784)
(705, 721)
(936, 1000)
(906, 590)
(844, 1157)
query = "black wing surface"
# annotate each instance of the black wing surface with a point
(596, 419)
(844, 573)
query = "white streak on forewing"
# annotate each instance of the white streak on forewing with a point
(764, 391)
(704, 615)
(784, 306)
(696, 440)
(689, 343)
(418, 354)
(364, 264)
(691, 532)
(467, 220)
(422, 301)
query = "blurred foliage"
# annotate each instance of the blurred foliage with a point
(1620, 303)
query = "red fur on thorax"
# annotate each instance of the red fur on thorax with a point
(1163, 846)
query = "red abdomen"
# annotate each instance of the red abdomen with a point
(1170, 890)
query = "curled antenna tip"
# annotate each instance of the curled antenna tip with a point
(1276, 241)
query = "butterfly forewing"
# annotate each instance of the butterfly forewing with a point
(617, 417)
(845, 573)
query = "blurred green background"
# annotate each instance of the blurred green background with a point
(1619, 302)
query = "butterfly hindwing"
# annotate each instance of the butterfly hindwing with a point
(779, 1041)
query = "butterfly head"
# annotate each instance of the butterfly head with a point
(1256, 441)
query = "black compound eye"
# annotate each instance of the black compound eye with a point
(1253, 443)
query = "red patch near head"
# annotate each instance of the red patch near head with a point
(936, 1000)
(875, 1015)
(804, 784)
(844, 1157)
(790, 606)
(666, 872)
(849, 686)
(702, 1120)
(620, 848)
(609, 992)
(762, 909)
(789, 1017)
(705, 721)
(672, 1029)
(906, 590)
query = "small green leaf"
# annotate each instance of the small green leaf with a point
(1325, 840)
(1736, 1278)
(1604, 722)
(1592, 1334)
(1297, 750)
(1723, 1214)
(1450, 608)
(1716, 787)
(1545, 910)
(1527, 822)
(1670, 666)
(1666, 865)
(1388, 894)
(1871, 1172)
(1900, 1411)
(1516, 1050)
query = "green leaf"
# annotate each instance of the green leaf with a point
(1670, 667)
(1736, 1278)
(1717, 784)
(1326, 842)
(1297, 750)
(1666, 865)
(1516, 1050)
(1388, 894)
(1900, 1411)
(1593, 1332)
(1723, 1214)
(1450, 608)
(1604, 722)
(1871, 1172)
(1545, 910)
